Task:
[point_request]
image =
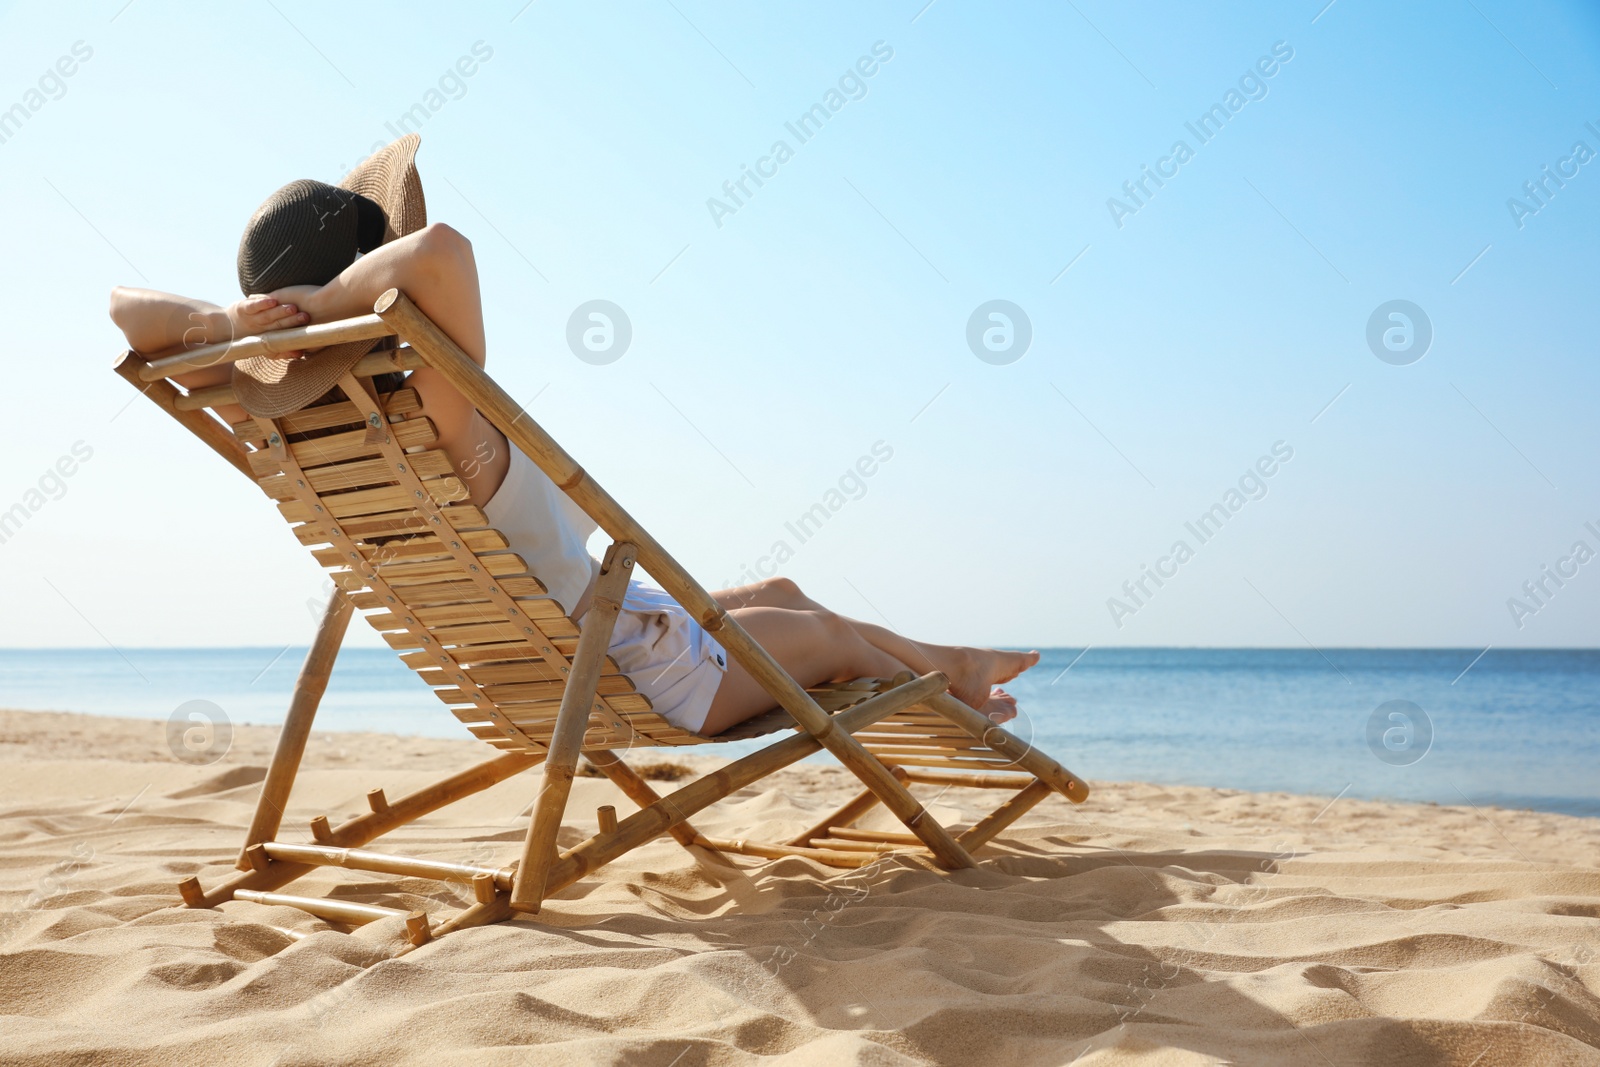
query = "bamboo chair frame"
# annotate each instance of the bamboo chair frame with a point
(890, 734)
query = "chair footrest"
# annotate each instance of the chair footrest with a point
(384, 863)
(967, 779)
(343, 911)
(831, 857)
(840, 844)
(879, 837)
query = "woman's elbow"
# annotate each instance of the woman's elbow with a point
(119, 304)
(130, 312)
(124, 306)
(443, 244)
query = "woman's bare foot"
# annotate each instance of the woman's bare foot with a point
(974, 671)
(1001, 707)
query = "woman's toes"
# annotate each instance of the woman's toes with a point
(1007, 665)
(1001, 707)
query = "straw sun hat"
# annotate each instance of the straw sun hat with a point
(305, 234)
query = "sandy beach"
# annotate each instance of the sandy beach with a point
(1155, 924)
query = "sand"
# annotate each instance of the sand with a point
(1156, 924)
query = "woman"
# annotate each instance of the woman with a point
(689, 679)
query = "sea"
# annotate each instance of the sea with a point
(1496, 727)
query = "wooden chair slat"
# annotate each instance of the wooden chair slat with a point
(373, 502)
(451, 592)
(453, 636)
(470, 654)
(949, 762)
(342, 447)
(771, 722)
(392, 524)
(328, 416)
(520, 670)
(904, 748)
(353, 474)
(423, 546)
(447, 616)
(909, 733)
(406, 574)
(507, 696)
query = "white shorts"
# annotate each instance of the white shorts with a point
(669, 656)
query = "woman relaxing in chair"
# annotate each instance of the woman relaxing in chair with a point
(319, 253)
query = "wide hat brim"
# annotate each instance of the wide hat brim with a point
(270, 387)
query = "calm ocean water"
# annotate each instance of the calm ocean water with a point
(1518, 729)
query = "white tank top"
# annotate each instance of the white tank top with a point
(545, 528)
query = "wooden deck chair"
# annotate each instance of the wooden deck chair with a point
(362, 488)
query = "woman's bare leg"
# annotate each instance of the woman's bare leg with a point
(814, 647)
(972, 671)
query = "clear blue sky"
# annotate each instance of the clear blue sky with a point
(829, 312)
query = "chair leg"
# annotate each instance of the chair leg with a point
(566, 742)
(637, 790)
(898, 799)
(291, 748)
(847, 814)
(682, 804)
(374, 824)
(984, 830)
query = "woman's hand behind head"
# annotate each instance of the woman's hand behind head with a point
(260, 314)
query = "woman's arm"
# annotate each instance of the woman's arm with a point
(154, 322)
(435, 268)
(164, 324)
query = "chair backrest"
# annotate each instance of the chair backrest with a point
(363, 488)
